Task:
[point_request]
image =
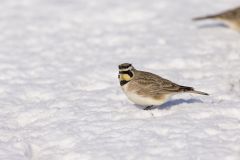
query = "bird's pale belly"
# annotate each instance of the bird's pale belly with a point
(144, 100)
(233, 24)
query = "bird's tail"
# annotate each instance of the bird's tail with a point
(205, 17)
(191, 90)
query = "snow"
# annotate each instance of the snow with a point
(60, 98)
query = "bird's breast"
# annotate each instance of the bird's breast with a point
(145, 100)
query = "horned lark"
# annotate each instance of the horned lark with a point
(148, 89)
(231, 18)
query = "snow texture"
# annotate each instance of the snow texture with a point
(60, 98)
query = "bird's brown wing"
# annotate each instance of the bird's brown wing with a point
(233, 14)
(230, 14)
(153, 84)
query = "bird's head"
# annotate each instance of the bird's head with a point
(126, 73)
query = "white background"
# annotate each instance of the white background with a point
(60, 98)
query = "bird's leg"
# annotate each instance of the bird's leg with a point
(148, 107)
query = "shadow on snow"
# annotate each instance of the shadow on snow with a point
(173, 103)
(176, 102)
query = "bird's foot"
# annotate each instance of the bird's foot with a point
(148, 108)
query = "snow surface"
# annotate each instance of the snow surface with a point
(60, 97)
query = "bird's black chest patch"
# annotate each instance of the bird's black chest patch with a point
(123, 82)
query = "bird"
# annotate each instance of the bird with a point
(147, 89)
(230, 18)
